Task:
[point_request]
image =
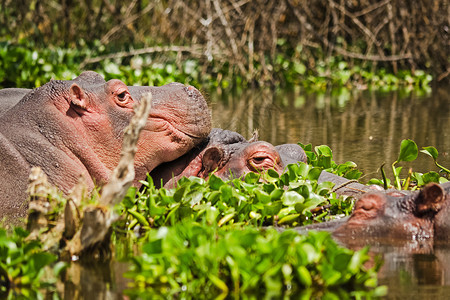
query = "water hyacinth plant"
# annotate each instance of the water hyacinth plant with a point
(194, 260)
(22, 265)
(409, 152)
(294, 198)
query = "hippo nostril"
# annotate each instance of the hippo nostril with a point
(192, 91)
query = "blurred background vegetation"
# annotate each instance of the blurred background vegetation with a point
(223, 43)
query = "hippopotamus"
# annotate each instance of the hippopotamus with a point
(414, 215)
(228, 154)
(390, 215)
(75, 127)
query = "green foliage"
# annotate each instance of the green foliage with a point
(294, 198)
(322, 159)
(431, 151)
(22, 264)
(409, 152)
(24, 65)
(335, 72)
(190, 259)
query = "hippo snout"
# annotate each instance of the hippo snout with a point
(184, 107)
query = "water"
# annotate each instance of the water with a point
(364, 127)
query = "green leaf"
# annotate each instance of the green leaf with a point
(218, 283)
(153, 247)
(288, 219)
(59, 267)
(408, 151)
(276, 194)
(226, 218)
(304, 276)
(314, 174)
(215, 182)
(291, 198)
(431, 177)
(272, 208)
(431, 151)
(262, 196)
(139, 217)
(41, 259)
(357, 260)
(324, 150)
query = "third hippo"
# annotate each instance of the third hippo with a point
(75, 127)
(228, 154)
(391, 215)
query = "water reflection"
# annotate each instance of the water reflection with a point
(365, 127)
(411, 269)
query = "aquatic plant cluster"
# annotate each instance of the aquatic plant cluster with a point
(211, 238)
(22, 265)
(265, 199)
(414, 180)
(217, 238)
(194, 260)
(38, 66)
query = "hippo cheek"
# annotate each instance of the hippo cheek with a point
(413, 228)
(161, 142)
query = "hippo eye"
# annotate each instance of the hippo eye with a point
(259, 159)
(122, 96)
(259, 163)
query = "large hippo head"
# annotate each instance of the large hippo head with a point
(228, 154)
(395, 215)
(75, 127)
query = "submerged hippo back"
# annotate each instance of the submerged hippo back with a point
(10, 97)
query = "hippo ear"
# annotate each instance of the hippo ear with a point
(211, 158)
(78, 96)
(255, 136)
(430, 200)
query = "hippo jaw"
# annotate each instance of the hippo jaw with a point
(179, 120)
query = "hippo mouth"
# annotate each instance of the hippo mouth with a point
(166, 124)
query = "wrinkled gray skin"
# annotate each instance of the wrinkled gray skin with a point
(228, 154)
(72, 128)
(392, 215)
